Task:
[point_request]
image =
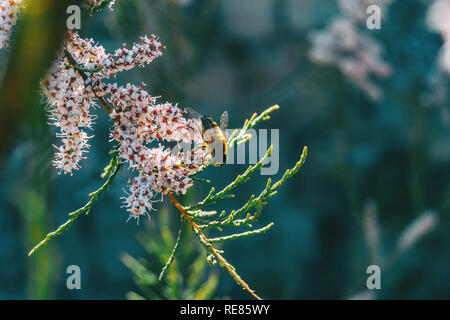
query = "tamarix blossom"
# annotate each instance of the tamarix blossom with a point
(76, 82)
(8, 16)
(163, 144)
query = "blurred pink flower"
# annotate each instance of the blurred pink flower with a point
(345, 45)
(357, 55)
(357, 9)
(438, 18)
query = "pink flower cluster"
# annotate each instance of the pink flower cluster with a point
(138, 121)
(70, 102)
(438, 18)
(8, 17)
(72, 88)
(345, 46)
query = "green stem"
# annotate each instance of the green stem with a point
(113, 169)
(175, 249)
(242, 235)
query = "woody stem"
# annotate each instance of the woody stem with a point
(211, 247)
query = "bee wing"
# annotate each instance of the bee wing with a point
(224, 121)
(192, 114)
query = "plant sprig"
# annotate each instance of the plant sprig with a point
(109, 173)
(241, 136)
(254, 202)
(201, 220)
(180, 236)
(188, 278)
(212, 196)
(209, 247)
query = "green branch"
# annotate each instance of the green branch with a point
(269, 191)
(110, 172)
(175, 249)
(201, 220)
(242, 136)
(242, 235)
(212, 197)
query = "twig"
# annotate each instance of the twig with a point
(175, 249)
(242, 136)
(205, 242)
(112, 169)
(242, 235)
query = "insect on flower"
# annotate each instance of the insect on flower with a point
(213, 136)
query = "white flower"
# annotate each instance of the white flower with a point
(8, 18)
(71, 151)
(139, 123)
(71, 98)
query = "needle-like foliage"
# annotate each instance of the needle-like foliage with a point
(197, 216)
(73, 86)
(188, 278)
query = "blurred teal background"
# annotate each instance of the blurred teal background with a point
(390, 156)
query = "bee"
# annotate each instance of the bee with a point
(213, 135)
